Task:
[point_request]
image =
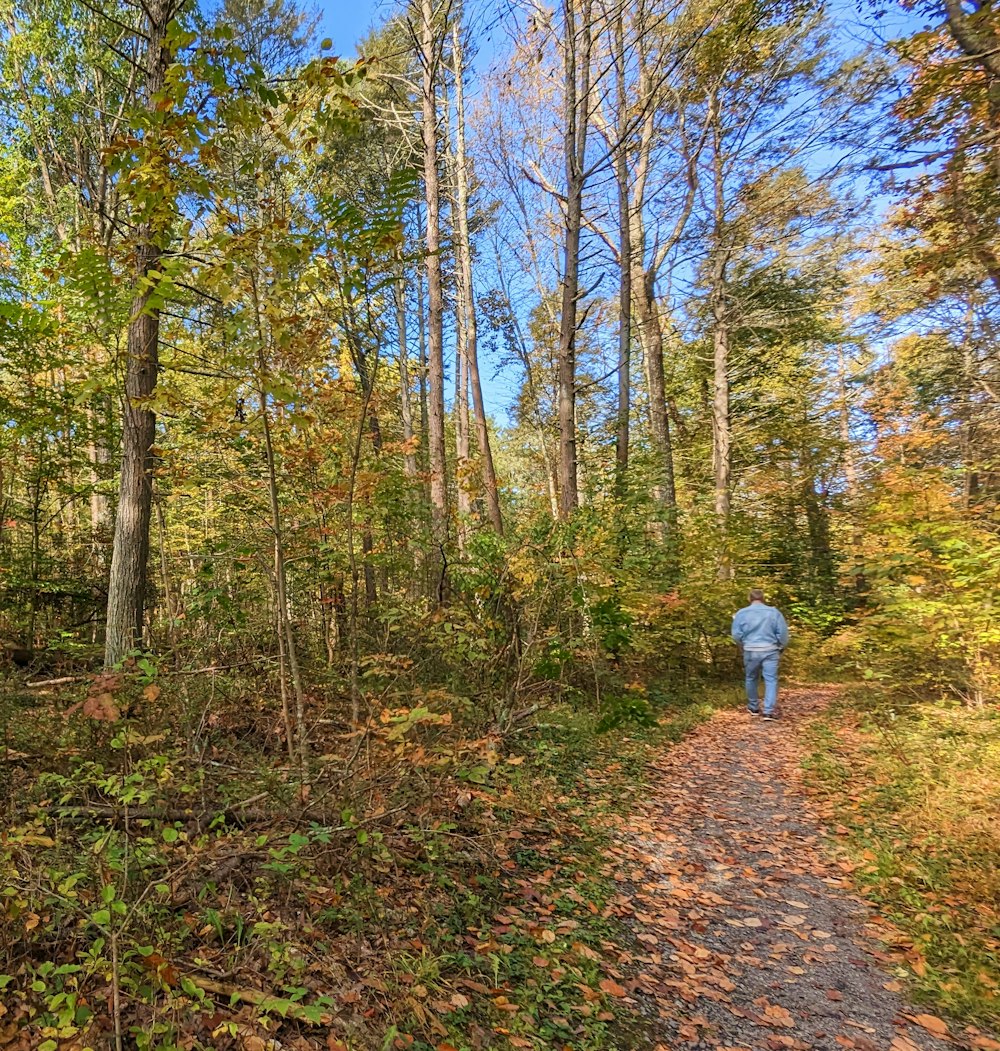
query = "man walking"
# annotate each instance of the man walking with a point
(762, 632)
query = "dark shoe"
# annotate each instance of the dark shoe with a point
(752, 711)
(771, 718)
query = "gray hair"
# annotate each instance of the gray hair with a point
(756, 595)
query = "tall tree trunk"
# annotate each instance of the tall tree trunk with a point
(624, 256)
(405, 398)
(576, 87)
(645, 271)
(130, 553)
(462, 444)
(721, 434)
(430, 58)
(651, 336)
(719, 310)
(281, 576)
(422, 367)
(97, 456)
(463, 247)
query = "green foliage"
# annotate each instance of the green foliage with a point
(914, 793)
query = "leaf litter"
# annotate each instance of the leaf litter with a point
(748, 934)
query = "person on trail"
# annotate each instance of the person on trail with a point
(762, 632)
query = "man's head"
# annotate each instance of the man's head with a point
(756, 595)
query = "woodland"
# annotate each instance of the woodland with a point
(386, 441)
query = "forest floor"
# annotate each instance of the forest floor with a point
(752, 937)
(673, 875)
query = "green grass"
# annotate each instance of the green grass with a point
(915, 796)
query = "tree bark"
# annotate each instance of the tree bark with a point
(651, 335)
(719, 310)
(130, 553)
(405, 399)
(462, 444)
(721, 436)
(624, 257)
(463, 247)
(576, 87)
(430, 57)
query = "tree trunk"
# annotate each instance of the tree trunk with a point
(422, 370)
(624, 257)
(651, 335)
(97, 457)
(463, 247)
(130, 553)
(721, 435)
(462, 471)
(576, 87)
(406, 404)
(719, 310)
(285, 629)
(430, 56)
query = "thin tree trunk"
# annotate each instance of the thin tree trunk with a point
(463, 247)
(550, 475)
(719, 311)
(97, 456)
(462, 465)
(281, 577)
(286, 709)
(168, 595)
(576, 87)
(721, 435)
(422, 370)
(651, 335)
(430, 57)
(130, 552)
(405, 399)
(624, 258)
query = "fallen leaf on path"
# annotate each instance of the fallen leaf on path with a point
(931, 1023)
(777, 1015)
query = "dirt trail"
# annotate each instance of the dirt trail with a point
(753, 938)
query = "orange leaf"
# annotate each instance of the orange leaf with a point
(612, 988)
(932, 1024)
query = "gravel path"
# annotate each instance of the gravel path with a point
(753, 937)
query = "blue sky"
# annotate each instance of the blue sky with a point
(345, 22)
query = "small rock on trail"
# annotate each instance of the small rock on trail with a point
(750, 937)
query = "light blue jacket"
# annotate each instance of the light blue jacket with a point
(760, 628)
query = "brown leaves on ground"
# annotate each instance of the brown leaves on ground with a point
(748, 934)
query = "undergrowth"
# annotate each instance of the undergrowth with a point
(165, 890)
(914, 794)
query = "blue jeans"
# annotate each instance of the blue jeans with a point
(755, 664)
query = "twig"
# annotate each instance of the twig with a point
(260, 999)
